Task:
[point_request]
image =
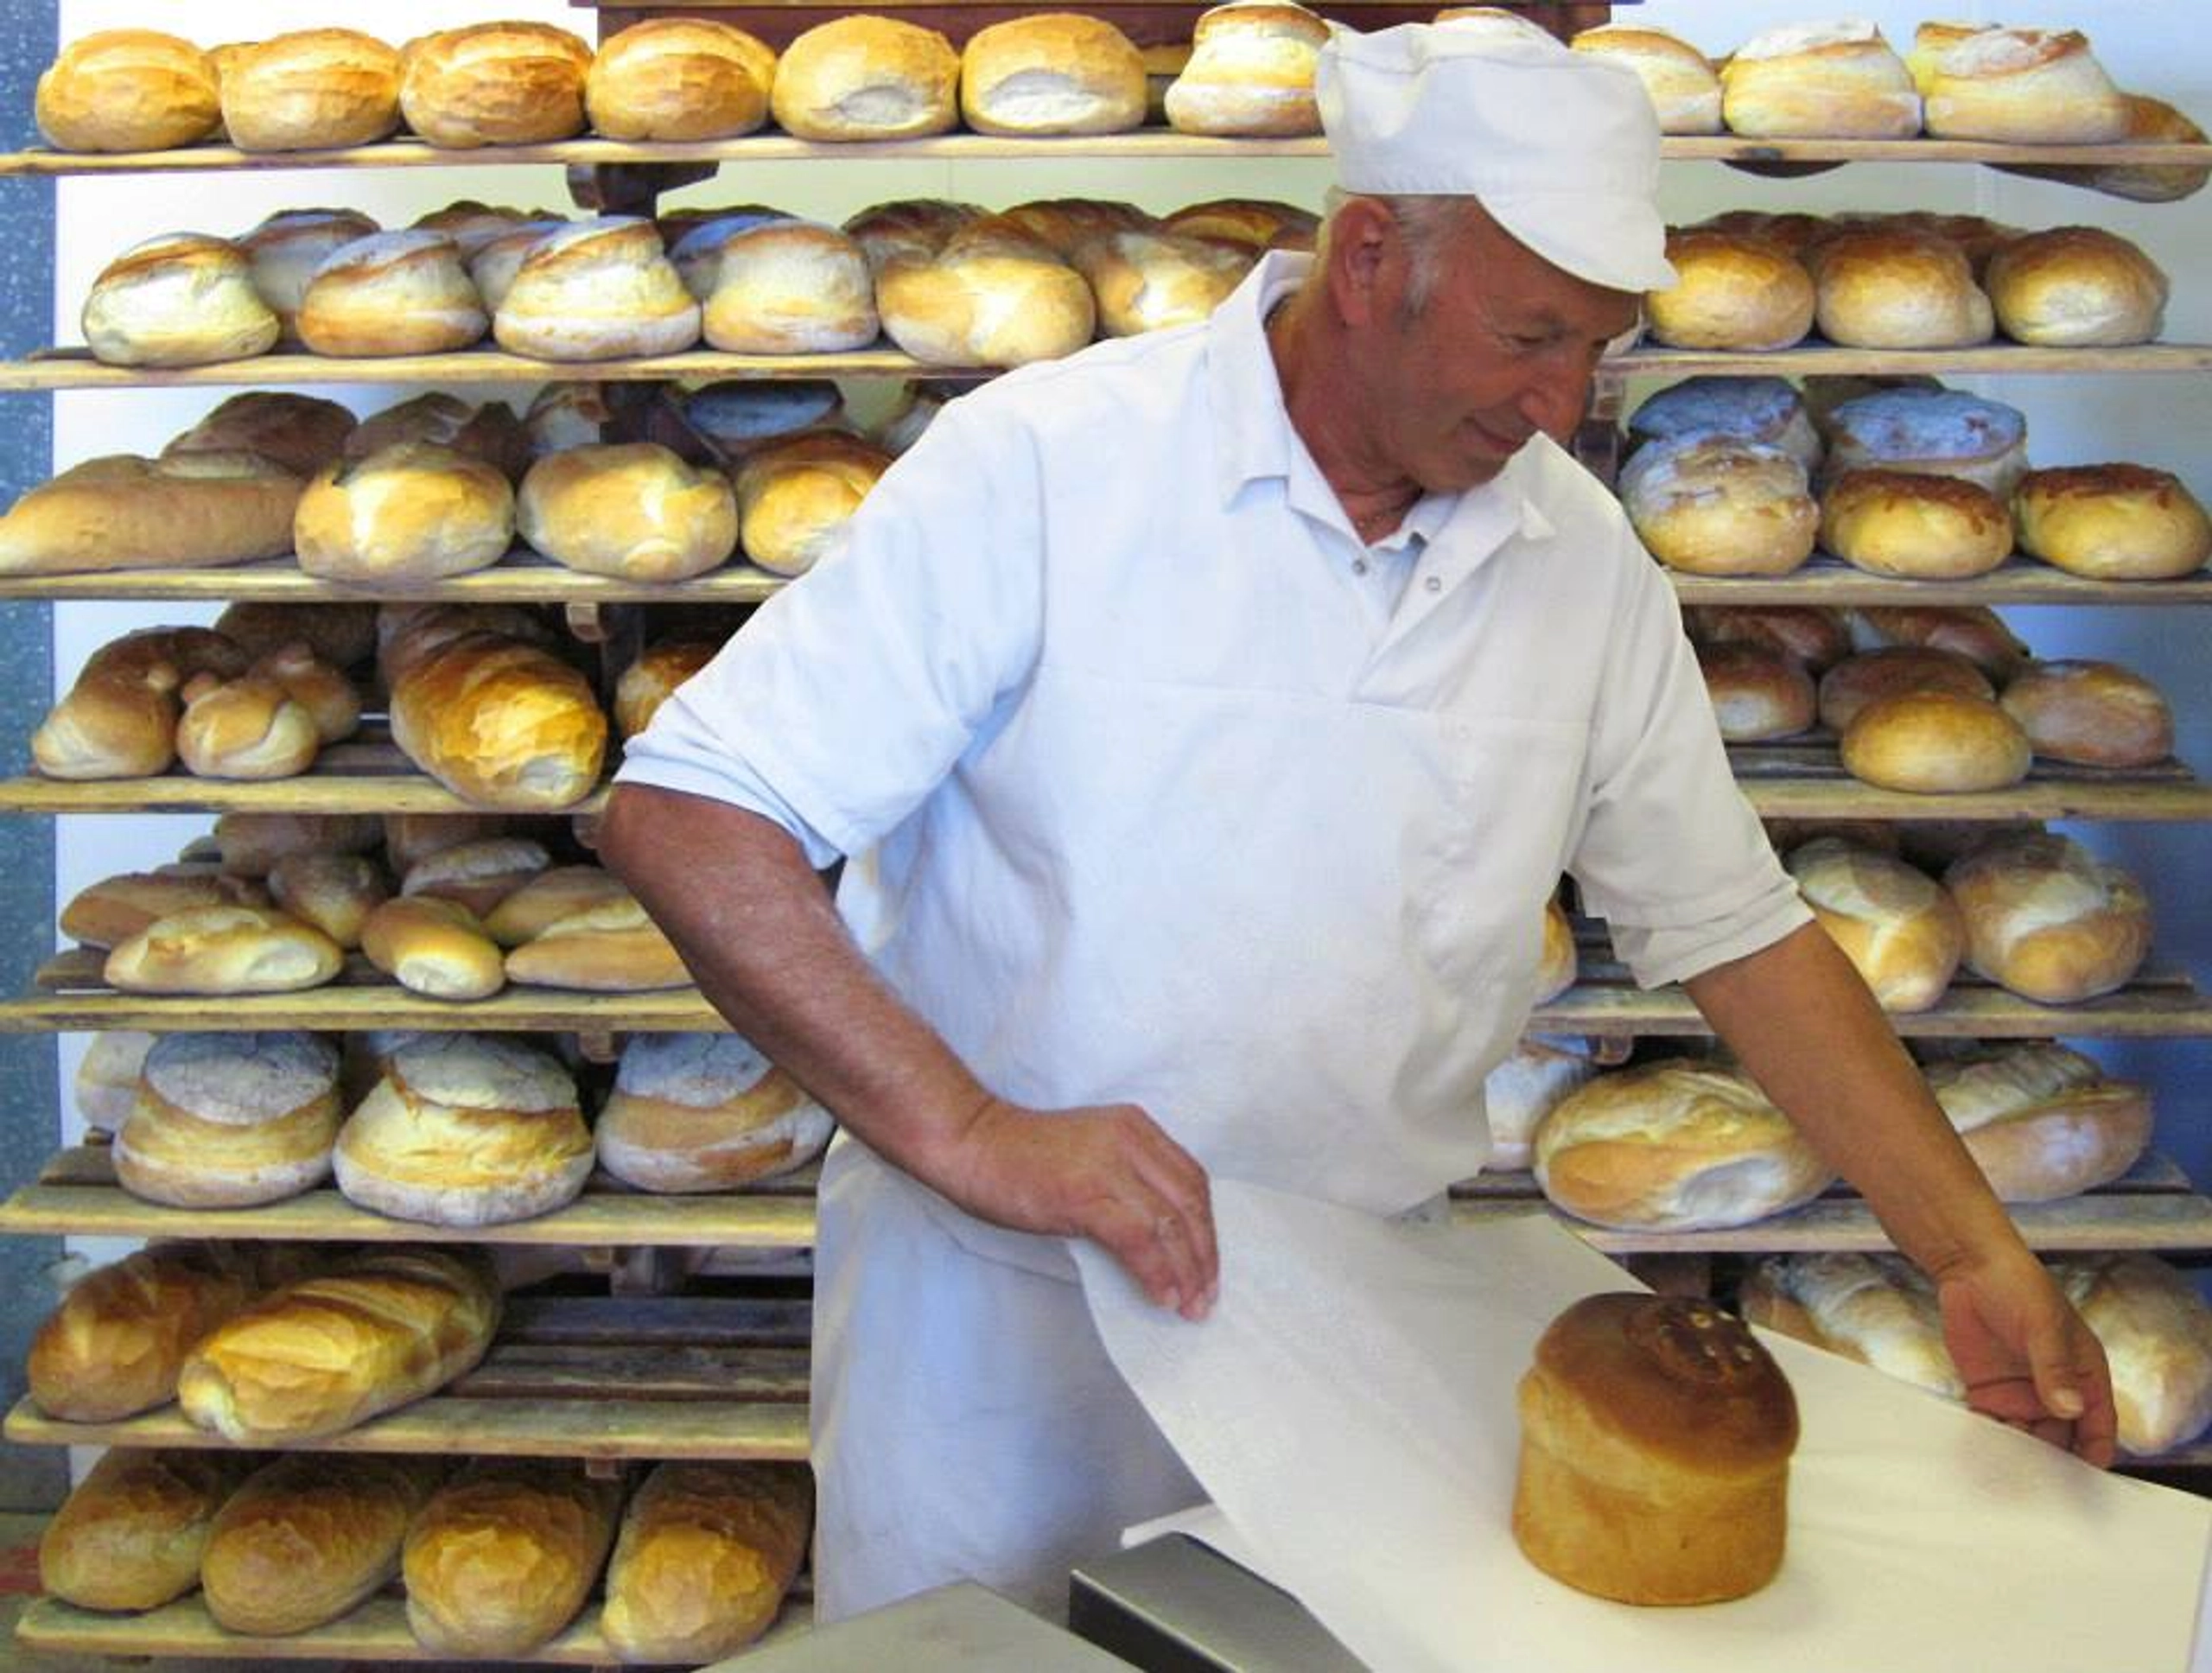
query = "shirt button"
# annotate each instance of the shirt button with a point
(1359, 566)
(1434, 583)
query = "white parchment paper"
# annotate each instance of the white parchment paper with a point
(1349, 1408)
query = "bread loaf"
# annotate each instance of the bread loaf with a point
(407, 633)
(247, 728)
(1052, 72)
(548, 898)
(1911, 525)
(613, 948)
(434, 948)
(704, 1558)
(410, 512)
(1731, 291)
(1250, 72)
(1938, 432)
(867, 78)
(490, 432)
(1874, 1309)
(2113, 522)
(491, 269)
(107, 1082)
(1150, 281)
(127, 90)
(1897, 288)
(1976, 633)
(1767, 410)
(705, 1112)
(179, 300)
(331, 702)
(319, 1356)
(1936, 742)
(991, 296)
(411, 838)
(500, 724)
(224, 949)
(2149, 121)
(332, 892)
(391, 293)
(503, 1555)
(1685, 91)
(679, 78)
(1850, 686)
(283, 250)
(1756, 692)
(1522, 1091)
(111, 911)
(300, 434)
(2078, 287)
(2157, 1334)
(2021, 87)
(653, 678)
(114, 1346)
(2098, 713)
(1813, 637)
(1676, 1146)
(595, 291)
(477, 873)
(1258, 224)
(495, 84)
(130, 1534)
(463, 1129)
(194, 511)
(793, 496)
(2042, 1121)
(1834, 80)
(226, 1121)
(2047, 920)
(564, 415)
(1559, 964)
(251, 844)
(309, 1536)
(633, 510)
(309, 89)
(788, 286)
(1714, 505)
(1655, 1436)
(909, 229)
(695, 241)
(1895, 924)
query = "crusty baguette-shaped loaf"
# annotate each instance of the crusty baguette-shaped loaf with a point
(111, 911)
(191, 510)
(1874, 1309)
(543, 902)
(2042, 1121)
(503, 1555)
(611, 948)
(705, 1112)
(116, 1343)
(219, 950)
(500, 724)
(705, 1556)
(318, 1357)
(131, 1534)
(310, 1534)
(2157, 1334)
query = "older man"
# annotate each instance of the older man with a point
(1204, 722)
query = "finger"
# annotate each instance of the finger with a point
(1136, 1231)
(2052, 1359)
(1187, 1193)
(2096, 1432)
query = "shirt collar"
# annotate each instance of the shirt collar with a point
(1252, 434)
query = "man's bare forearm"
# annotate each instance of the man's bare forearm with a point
(1799, 1018)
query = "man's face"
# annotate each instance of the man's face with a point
(1503, 346)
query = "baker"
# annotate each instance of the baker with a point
(1202, 721)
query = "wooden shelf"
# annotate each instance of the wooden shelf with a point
(2020, 581)
(76, 1194)
(1153, 143)
(1804, 778)
(74, 368)
(521, 577)
(376, 1631)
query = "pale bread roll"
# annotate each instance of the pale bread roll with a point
(2021, 87)
(1731, 291)
(130, 1534)
(1874, 1309)
(2047, 920)
(500, 724)
(706, 1555)
(433, 947)
(2113, 522)
(1897, 288)
(1250, 72)
(2078, 287)
(111, 911)
(227, 1121)
(1832, 80)
(1151, 281)
(2157, 1334)
(283, 250)
(298, 432)
(1936, 431)
(194, 511)
(1895, 924)
(2096, 713)
(1758, 693)
(309, 1536)
(1912, 524)
(495, 84)
(595, 291)
(2042, 1122)
(504, 1555)
(610, 948)
(1768, 410)
(391, 293)
(792, 496)
(107, 1082)
(789, 287)
(246, 728)
(1685, 91)
(1676, 1146)
(224, 949)
(679, 78)
(1052, 72)
(128, 90)
(991, 296)
(1522, 1091)
(410, 512)
(653, 678)
(705, 1112)
(546, 899)
(632, 510)
(1715, 505)
(332, 892)
(1935, 743)
(478, 873)
(867, 78)
(310, 88)
(180, 300)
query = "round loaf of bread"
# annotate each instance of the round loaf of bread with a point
(2021, 87)
(1874, 1309)
(495, 84)
(333, 892)
(1896, 925)
(2113, 522)
(1522, 1091)
(1674, 1146)
(632, 510)
(2042, 1121)
(477, 873)
(595, 291)
(1150, 281)
(180, 300)
(679, 78)
(867, 78)
(1756, 692)
(310, 89)
(1655, 1436)
(1936, 742)
(128, 90)
(392, 293)
(1768, 410)
(695, 247)
(224, 949)
(433, 947)
(2047, 920)
(1052, 72)
(247, 728)
(789, 287)
(195, 510)
(1912, 524)
(1938, 432)
(2078, 287)
(1731, 291)
(2095, 714)
(705, 1112)
(793, 497)
(1973, 631)
(1898, 288)
(991, 296)
(472, 225)
(1718, 506)
(1812, 636)
(2157, 1334)
(301, 433)
(285, 250)
(491, 269)
(410, 512)
(1685, 91)
(1250, 72)
(114, 726)
(546, 899)
(228, 1120)
(1832, 80)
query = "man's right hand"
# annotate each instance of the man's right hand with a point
(1107, 1173)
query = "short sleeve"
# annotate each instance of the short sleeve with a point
(851, 694)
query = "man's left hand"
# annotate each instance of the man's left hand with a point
(2026, 1358)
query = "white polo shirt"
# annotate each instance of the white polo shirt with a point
(1159, 785)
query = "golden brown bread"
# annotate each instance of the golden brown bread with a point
(478, 872)
(2018, 87)
(250, 728)
(500, 724)
(503, 1555)
(230, 1120)
(785, 287)
(2096, 713)
(1558, 966)
(1874, 1309)
(653, 678)
(333, 892)
(1732, 291)
(309, 1536)
(297, 432)
(1711, 504)
(1829, 80)
(413, 511)
(2157, 1334)
(317, 686)
(490, 432)
(1973, 631)
(1813, 637)
(1895, 287)
(311, 88)
(116, 1341)
(1258, 224)
(990, 294)
(179, 300)
(111, 911)
(1148, 281)
(548, 898)
(793, 496)
(1908, 524)
(867, 78)
(705, 1556)
(193, 509)
(1655, 1436)
(115, 726)
(1685, 91)
(633, 510)
(218, 949)
(1871, 675)
(128, 90)
(705, 1112)
(251, 844)
(1901, 931)
(320, 1355)
(679, 78)
(495, 84)
(2149, 121)
(2078, 287)
(2042, 1122)
(1250, 72)
(2048, 921)
(2113, 522)
(391, 293)
(434, 947)
(1756, 692)
(610, 948)
(130, 1536)
(596, 290)
(1936, 742)
(1052, 72)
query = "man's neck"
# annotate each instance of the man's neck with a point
(1319, 392)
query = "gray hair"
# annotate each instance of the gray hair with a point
(1428, 224)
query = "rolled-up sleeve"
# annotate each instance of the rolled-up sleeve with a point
(1670, 854)
(853, 691)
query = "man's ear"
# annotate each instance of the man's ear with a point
(1365, 262)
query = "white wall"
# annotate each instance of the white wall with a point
(2153, 46)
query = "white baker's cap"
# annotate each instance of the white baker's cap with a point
(1561, 147)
